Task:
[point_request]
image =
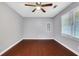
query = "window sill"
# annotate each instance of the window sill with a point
(70, 36)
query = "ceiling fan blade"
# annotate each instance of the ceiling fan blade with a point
(40, 3)
(45, 5)
(55, 6)
(43, 10)
(30, 5)
(34, 10)
(37, 3)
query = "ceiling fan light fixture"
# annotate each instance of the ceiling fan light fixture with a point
(38, 7)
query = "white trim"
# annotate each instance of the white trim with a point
(57, 41)
(68, 47)
(10, 47)
(40, 39)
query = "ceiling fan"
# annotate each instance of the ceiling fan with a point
(39, 6)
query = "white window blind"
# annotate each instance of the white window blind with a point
(70, 23)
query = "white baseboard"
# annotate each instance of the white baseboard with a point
(68, 47)
(55, 40)
(10, 47)
(37, 38)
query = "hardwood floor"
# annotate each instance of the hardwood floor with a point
(39, 48)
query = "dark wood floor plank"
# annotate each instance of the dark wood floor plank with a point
(39, 48)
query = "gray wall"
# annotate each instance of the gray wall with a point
(38, 28)
(71, 43)
(10, 27)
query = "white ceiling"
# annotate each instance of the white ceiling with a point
(24, 11)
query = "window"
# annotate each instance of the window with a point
(70, 23)
(76, 27)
